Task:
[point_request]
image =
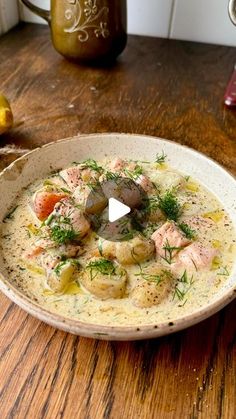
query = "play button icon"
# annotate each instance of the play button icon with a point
(117, 210)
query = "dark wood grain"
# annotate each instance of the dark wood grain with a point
(158, 87)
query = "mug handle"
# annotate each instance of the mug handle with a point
(45, 14)
(232, 11)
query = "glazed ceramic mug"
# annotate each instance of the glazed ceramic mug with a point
(86, 30)
(232, 11)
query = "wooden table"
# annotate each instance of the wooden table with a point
(159, 87)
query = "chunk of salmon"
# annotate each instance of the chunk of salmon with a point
(145, 183)
(75, 176)
(169, 234)
(44, 202)
(72, 216)
(72, 177)
(117, 165)
(33, 253)
(197, 222)
(197, 256)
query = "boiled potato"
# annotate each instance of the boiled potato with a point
(134, 251)
(154, 286)
(168, 180)
(104, 279)
(91, 199)
(106, 249)
(60, 277)
(156, 215)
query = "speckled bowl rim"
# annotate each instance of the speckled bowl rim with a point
(122, 333)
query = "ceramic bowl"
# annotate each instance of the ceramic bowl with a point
(41, 161)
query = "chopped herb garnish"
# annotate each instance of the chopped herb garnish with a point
(95, 186)
(169, 204)
(48, 182)
(58, 268)
(55, 173)
(153, 203)
(140, 161)
(49, 219)
(112, 176)
(75, 262)
(224, 271)
(183, 286)
(129, 235)
(152, 277)
(64, 261)
(100, 247)
(169, 250)
(62, 235)
(161, 158)
(103, 266)
(9, 216)
(65, 190)
(92, 164)
(188, 231)
(134, 174)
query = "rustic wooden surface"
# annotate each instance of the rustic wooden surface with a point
(163, 88)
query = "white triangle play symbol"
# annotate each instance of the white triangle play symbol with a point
(117, 210)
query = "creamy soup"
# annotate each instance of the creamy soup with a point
(167, 265)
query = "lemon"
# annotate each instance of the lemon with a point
(6, 115)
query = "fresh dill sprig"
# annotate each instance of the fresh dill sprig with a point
(103, 266)
(139, 161)
(158, 278)
(92, 164)
(128, 235)
(224, 271)
(169, 250)
(170, 206)
(48, 221)
(100, 248)
(58, 268)
(161, 158)
(134, 174)
(94, 186)
(65, 190)
(153, 203)
(188, 231)
(184, 283)
(112, 176)
(62, 235)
